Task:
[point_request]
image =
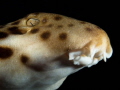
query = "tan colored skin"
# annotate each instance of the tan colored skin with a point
(35, 50)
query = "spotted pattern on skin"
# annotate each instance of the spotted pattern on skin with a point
(89, 29)
(15, 30)
(50, 25)
(49, 38)
(24, 59)
(59, 26)
(45, 35)
(57, 18)
(3, 35)
(33, 31)
(5, 52)
(62, 36)
(70, 25)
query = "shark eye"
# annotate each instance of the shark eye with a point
(32, 22)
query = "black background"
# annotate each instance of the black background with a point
(103, 76)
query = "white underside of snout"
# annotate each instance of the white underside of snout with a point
(80, 58)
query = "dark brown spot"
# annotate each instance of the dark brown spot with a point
(89, 29)
(45, 35)
(16, 22)
(59, 26)
(3, 35)
(50, 25)
(70, 25)
(62, 36)
(57, 18)
(5, 52)
(44, 20)
(34, 66)
(15, 30)
(24, 59)
(34, 31)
